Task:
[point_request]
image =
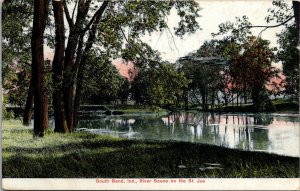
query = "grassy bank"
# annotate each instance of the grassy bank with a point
(123, 109)
(279, 105)
(88, 155)
(134, 109)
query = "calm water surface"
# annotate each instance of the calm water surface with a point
(274, 133)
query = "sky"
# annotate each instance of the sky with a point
(213, 13)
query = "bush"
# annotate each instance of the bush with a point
(6, 114)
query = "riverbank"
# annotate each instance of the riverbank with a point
(278, 105)
(89, 155)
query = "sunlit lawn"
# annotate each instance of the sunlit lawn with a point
(88, 155)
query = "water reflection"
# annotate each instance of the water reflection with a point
(276, 133)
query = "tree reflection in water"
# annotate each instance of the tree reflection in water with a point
(236, 130)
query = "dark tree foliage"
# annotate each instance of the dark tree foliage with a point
(16, 52)
(159, 86)
(103, 84)
(289, 55)
(251, 70)
(209, 78)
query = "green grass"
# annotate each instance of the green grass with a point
(87, 155)
(124, 109)
(280, 105)
(285, 105)
(135, 109)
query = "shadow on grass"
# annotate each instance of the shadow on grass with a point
(69, 146)
(135, 159)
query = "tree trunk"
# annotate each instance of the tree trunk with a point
(225, 96)
(38, 69)
(213, 100)
(203, 100)
(70, 69)
(77, 98)
(68, 98)
(57, 68)
(83, 61)
(28, 106)
(296, 8)
(256, 98)
(195, 96)
(244, 93)
(245, 97)
(69, 76)
(186, 99)
(206, 100)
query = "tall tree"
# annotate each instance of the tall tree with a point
(38, 69)
(289, 55)
(284, 15)
(251, 70)
(288, 40)
(57, 68)
(104, 81)
(159, 86)
(28, 106)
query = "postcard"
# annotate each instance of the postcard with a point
(150, 95)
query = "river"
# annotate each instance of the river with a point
(274, 133)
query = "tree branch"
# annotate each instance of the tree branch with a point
(272, 26)
(78, 55)
(267, 27)
(74, 9)
(160, 35)
(83, 54)
(136, 48)
(132, 44)
(98, 14)
(67, 13)
(27, 64)
(86, 7)
(173, 39)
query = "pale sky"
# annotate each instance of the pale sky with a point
(212, 14)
